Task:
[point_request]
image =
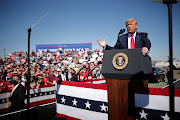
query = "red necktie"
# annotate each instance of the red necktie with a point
(132, 42)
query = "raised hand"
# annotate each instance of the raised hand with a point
(101, 43)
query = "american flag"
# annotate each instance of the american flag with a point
(84, 101)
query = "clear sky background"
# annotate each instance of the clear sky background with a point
(83, 21)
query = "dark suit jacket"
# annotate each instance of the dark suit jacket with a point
(141, 40)
(17, 98)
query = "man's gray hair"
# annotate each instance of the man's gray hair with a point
(131, 20)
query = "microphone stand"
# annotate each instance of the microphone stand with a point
(121, 32)
(77, 73)
(88, 74)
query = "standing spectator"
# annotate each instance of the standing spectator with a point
(17, 97)
(61, 76)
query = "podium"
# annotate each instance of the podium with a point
(122, 69)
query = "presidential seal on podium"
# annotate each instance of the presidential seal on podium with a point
(120, 61)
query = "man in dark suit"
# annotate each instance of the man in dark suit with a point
(125, 41)
(131, 40)
(17, 97)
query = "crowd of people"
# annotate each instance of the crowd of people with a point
(47, 68)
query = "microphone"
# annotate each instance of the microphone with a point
(121, 32)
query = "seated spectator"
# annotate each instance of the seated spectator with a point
(51, 78)
(45, 64)
(74, 77)
(9, 85)
(99, 71)
(45, 79)
(56, 72)
(94, 73)
(2, 83)
(33, 53)
(23, 78)
(39, 80)
(33, 83)
(90, 77)
(82, 75)
(23, 60)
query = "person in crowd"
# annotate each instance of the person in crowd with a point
(45, 79)
(33, 82)
(39, 80)
(33, 53)
(66, 72)
(51, 78)
(61, 75)
(90, 76)
(74, 77)
(9, 85)
(24, 78)
(5, 74)
(56, 72)
(41, 66)
(82, 75)
(99, 71)
(94, 73)
(2, 83)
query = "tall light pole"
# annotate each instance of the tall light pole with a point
(28, 80)
(4, 53)
(171, 84)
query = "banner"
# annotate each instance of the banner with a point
(54, 47)
(153, 104)
(38, 96)
(84, 101)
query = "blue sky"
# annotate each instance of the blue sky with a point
(83, 21)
